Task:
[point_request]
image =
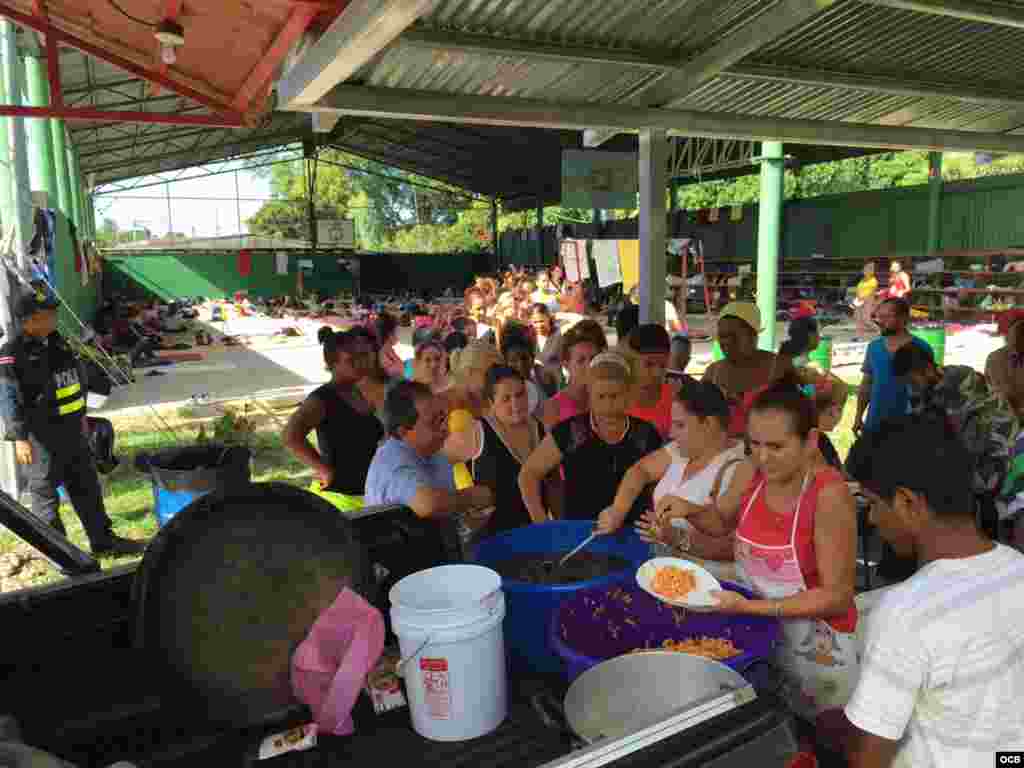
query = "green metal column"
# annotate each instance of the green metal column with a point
(934, 201)
(769, 231)
(60, 164)
(20, 214)
(78, 199)
(76, 212)
(43, 171)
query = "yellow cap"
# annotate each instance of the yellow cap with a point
(745, 311)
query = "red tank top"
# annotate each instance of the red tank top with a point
(756, 527)
(659, 414)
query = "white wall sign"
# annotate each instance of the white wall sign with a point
(337, 232)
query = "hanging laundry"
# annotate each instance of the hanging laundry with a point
(574, 260)
(245, 262)
(606, 259)
(281, 262)
(713, 215)
(736, 213)
(629, 264)
(702, 216)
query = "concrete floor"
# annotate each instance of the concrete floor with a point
(295, 367)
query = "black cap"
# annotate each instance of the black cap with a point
(34, 300)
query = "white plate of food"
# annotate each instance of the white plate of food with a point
(678, 582)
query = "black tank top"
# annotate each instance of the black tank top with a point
(347, 439)
(498, 469)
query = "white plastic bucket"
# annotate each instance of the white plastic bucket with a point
(448, 623)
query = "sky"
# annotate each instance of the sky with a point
(199, 207)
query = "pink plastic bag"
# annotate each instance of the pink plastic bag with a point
(330, 666)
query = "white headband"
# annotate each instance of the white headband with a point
(613, 358)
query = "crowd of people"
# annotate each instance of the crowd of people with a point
(507, 418)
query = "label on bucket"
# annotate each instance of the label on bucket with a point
(434, 673)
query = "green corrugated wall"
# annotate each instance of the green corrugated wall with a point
(215, 274)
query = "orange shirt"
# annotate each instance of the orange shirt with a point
(659, 414)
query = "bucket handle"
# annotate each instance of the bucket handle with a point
(487, 601)
(411, 656)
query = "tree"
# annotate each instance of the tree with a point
(281, 218)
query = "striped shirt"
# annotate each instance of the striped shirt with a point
(943, 667)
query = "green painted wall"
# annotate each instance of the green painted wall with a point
(215, 274)
(984, 213)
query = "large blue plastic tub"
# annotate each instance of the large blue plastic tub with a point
(529, 607)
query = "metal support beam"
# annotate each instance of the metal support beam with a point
(671, 89)
(934, 201)
(653, 176)
(42, 168)
(361, 31)
(493, 110)
(120, 116)
(769, 233)
(969, 10)
(261, 74)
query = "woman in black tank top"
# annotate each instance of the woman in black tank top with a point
(347, 428)
(498, 446)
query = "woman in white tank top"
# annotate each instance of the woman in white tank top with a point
(701, 462)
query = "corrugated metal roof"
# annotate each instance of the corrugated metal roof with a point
(851, 38)
(855, 37)
(666, 24)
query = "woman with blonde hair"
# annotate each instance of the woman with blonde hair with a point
(465, 398)
(595, 448)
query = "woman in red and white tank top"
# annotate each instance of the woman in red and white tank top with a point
(796, 543)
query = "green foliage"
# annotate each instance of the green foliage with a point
(281, 218)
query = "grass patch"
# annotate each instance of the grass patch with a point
(128, 493)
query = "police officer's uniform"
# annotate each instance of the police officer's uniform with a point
(42, 401)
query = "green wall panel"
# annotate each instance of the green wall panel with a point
(215, 274)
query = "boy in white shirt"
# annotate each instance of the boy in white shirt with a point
(942, 678)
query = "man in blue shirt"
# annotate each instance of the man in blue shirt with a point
(409, 468)
(882, 394)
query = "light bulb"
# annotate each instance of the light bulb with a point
(167, 54)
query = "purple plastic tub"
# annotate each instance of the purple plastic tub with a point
(582, 639)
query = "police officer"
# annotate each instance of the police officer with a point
(42, 410)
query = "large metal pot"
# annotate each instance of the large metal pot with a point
(619, 696)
